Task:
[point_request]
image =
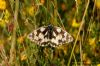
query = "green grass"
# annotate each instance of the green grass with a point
(20, 17)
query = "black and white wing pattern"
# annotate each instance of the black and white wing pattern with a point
(50, 35)
(39, 36)
(60, 37)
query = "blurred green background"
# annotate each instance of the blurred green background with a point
(81, 18)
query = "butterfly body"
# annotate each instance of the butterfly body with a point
(49, 31)
(50, 35)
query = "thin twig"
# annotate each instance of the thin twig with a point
(82, 23)
(13, 43)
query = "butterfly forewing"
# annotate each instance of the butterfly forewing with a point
(39, 36)
(54, 36)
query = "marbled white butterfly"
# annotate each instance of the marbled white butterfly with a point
(50, 35)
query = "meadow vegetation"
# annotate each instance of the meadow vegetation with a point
(81, 18)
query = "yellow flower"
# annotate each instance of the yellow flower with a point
(31, 10)
(7, 15)
(92, 42)
(23, 57)
(98, 64)
(75, 24)
(2, 5)
(20, 39)
(2, 23)
(97, 3)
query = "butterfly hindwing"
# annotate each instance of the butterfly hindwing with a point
(60, 37)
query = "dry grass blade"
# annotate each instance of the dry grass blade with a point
(80, 28)
(13, 43)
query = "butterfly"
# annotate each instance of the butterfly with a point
(50, 35)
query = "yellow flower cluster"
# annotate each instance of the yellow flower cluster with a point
(92, 42)
(98, 64)
(31, 10)
(20, 39)
(5, 19)
(75, 24)
(2, 5)
(2, 23)
(97, 3)
(23, 57)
